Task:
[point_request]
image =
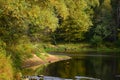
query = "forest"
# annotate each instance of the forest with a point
(25, 25)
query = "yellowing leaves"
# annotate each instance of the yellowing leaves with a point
(60, 7)
(34, 11)
(53, 1)
(78, 21)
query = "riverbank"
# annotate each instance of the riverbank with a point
(81, 47)
(43, 58)
(37, 61)
(34, 63)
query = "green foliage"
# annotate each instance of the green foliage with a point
(102, 31)
(93, 3)
(61, 9)
(77, 23)
(104, 24)
(96, 40)
(6, 68)
(21, 52)
(12, 25)
(20, 16)
(68, 48)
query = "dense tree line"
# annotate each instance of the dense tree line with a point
(66, 20)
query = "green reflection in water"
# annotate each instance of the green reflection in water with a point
(104, 67)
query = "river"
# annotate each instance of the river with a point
(103, 66)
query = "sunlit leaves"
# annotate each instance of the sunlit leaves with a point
(79, 12)
(78, 21)
(93, 3)
(17, 15)
(60, 8)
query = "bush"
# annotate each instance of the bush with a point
(20, 52)
(96, 40)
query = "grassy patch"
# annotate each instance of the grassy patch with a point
(78, 48)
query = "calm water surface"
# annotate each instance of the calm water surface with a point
(96, 65)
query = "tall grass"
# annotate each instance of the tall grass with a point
(80, 47)
(12, 57)
(67, 47)
(6, 68)
(40, 51)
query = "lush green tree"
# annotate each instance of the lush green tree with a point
(78, 21)
(104, 24)
(60, 8)
(22, 18)
(11, 20)
(44, 21)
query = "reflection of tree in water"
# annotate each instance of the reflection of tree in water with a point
(66, 69)
(93, 66)
(100, 67)
(103, 67)
(89, 65)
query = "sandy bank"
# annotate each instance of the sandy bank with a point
(35, 60)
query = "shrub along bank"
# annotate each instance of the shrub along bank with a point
(80, 47)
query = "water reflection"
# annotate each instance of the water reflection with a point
(103, 67)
